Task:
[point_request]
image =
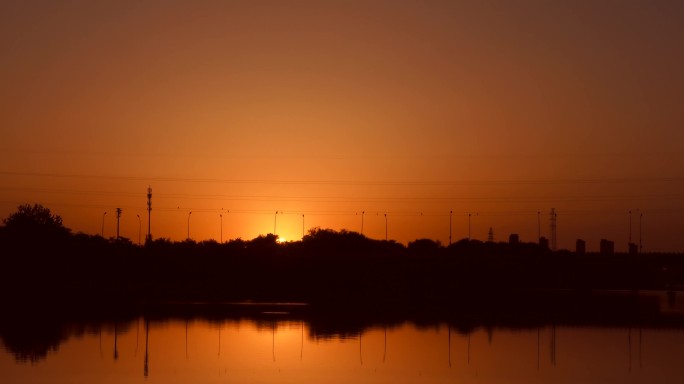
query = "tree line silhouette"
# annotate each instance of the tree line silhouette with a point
(45, 262)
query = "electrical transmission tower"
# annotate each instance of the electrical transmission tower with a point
(553, 229)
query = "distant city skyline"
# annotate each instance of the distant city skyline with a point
(634, 232)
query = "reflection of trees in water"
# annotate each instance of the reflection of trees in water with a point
(32, 338)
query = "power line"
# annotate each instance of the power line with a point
(352, 199)
(147, 179)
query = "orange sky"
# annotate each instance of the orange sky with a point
(332, 108)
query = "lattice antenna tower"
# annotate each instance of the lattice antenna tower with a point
(118, 217)
(553, 229)
(149, 214)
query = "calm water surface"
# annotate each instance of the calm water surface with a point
(275, 349)
(282, 351)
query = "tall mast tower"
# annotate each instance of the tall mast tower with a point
(118, 216)
(553, 229)
(149, 214)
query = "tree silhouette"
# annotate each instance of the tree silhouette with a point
(34, 221)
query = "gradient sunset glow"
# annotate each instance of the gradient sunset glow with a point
(336, 112)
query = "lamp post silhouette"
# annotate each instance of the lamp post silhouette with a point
(103, 217)
(221, 217)
(385, 227)
(302, 225)
(189, 213)
(362, 213)
(630, 228)
(139, 228)
(538, 226)
(275, 222)
(469, 226)
(641, 246)
(451, 213)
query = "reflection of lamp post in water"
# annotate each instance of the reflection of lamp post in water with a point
(360, 340)
(116, 351)
(147, 343)
(384, 354)
(103, 217)
(449, 338)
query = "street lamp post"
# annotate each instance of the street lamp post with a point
(189, 213)
(539, 226)
(221, 216)
(103, 217)
(275, 222)
(302, 226)
(450, 214)
(362, 213)
(641, 246)
(385, 227)
(139, 228)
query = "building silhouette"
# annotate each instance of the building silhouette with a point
(633, 248)
(607, 247)
(513, 239)
(544, 243)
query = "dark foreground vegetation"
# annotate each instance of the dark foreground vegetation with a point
(348, 282)
(43, 264)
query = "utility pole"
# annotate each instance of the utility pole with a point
(538, 227)
(641, 245)
(139, 228)
(103, 217)
(451, 213)
(302, 225)
(275, 222)
(553, 229)
(189, 213)
(118, 216)
(149, 214)
(630, 228)
(385, 227)
(221, 217)
(362, 213)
